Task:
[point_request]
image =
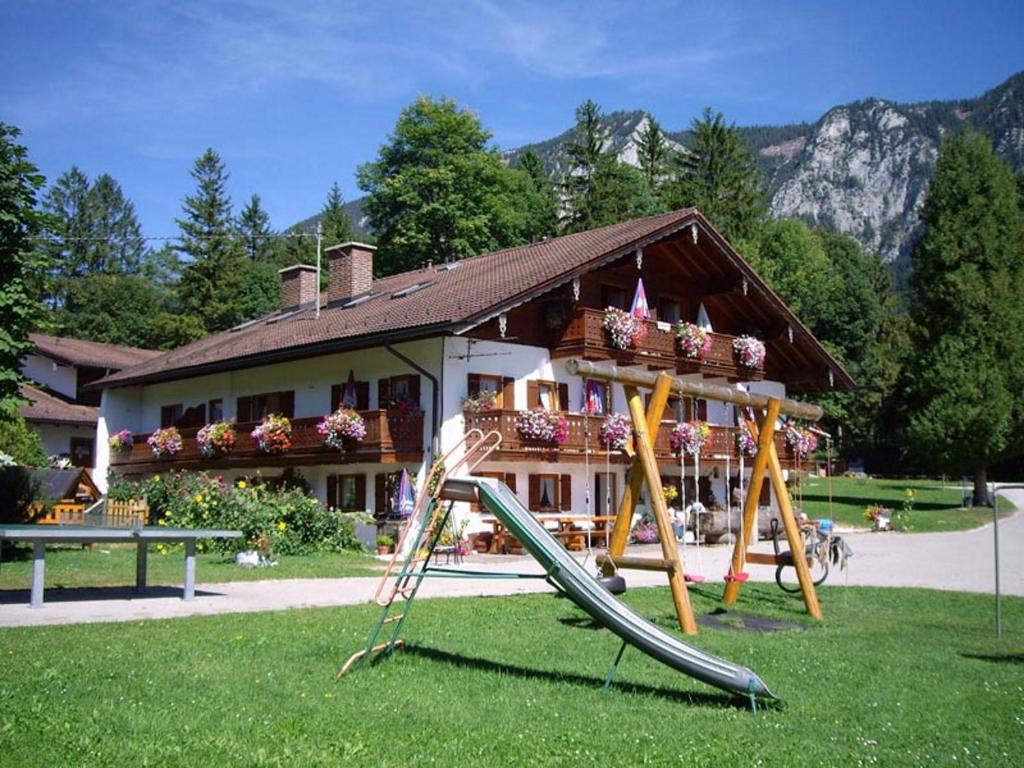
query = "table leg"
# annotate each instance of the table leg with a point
(38, 574)
(189, 591)
(140, 566)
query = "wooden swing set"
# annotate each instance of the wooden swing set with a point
(644, 469)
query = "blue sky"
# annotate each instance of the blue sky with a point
(295, 95)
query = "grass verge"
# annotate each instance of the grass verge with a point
(891, 677)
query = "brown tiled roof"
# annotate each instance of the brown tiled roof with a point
(41, 406)
(450, 299)
(90, 353)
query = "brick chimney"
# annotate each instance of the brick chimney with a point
(298, 286)
(350, 267)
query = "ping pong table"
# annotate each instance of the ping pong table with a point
(41, 535)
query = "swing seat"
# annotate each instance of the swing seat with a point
(693, 578)
(739, 577)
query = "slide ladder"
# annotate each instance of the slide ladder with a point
(405, 571)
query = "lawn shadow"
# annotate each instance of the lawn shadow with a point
(996, 658)
(719, 701)
(865, 502)
(84, 594)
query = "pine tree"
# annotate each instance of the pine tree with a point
(963, 384)
(254, 230)
(717, 174)
(584, 154)
(336, 223)
(653, 155)
(544, 207)
(117, 246)
(20, 223)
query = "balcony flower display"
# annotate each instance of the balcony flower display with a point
(745, 441)
(624, 330)
(543, 425)
(343, 426)
(694, 341)
(274, 434)
(803, 442)
(165, 442)
(749, 351)
(615, 431)
(689, 436)
(485, 400)
(404, 405)
(121, 442)
(216, 439)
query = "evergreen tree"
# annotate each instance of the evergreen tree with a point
(963, 383)
(117, 245)
(437, 191)
(542, 199)
(254, 230)
(717, 174)
(585, 154)
(653, 153)
(336, 223)
(217, 280)
(20, 223)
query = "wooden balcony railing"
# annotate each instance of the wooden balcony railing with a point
(584, 336)
(721, 442)
(390, 436)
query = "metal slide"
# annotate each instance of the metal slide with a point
(597, 601)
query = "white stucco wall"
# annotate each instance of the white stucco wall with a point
(57, 437)
(59, 378)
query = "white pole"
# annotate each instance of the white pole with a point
(319, 238)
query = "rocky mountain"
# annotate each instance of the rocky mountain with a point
(861, 169)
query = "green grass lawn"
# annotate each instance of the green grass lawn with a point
(114, 565)
(891, 677)
(935, 508)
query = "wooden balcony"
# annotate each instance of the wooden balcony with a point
(584, 336)
(390, 437)
(514, 447)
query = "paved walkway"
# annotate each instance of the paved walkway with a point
(951, 561)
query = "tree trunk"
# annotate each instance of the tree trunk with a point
(981, 487)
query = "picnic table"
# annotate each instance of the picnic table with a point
(41, 535)
(589, 528)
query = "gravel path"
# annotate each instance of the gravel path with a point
(961, 561)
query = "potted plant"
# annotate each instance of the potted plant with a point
(121, 442)
(385, 544)
(802, 442)
(689, 436)
(543, 425)
(624, 329)
(485, 400)
(694, 342)
(274, 434)
(745, 441)
(217, 439)
(749, 351)
(615, 431)
(165, 442)
(343, 426)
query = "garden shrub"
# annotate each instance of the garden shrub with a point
(287, 521)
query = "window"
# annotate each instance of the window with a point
(547, 394)
(598, 397)
(508, 478)
(346, 492)
(613, 296)
(361, 392)
(687, 409)
(550, 493)
(170, 415)
(502, 387)
(669, 310)
(216, 408)
(81, 451)
(605, 497)
(256, 407)
(399, 391)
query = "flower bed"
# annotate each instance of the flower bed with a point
(803, 442)
(749, 351)
(543, 425)
(694, 342)
(624, 330)
(483, 401)
(165, 442)
(217, 439)
(274, 434)
(615, 431)
(343, 426)
(121, 442)
(689, 436)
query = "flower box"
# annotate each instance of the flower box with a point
(624, 329)
(121, 442)
(802, 442)
(483, 401)
(343, 426)
(217, 439)
(274, 434)
(165, 442)
(543, 425)
(689, 436)
(694, 342)
(615, 431)
(749, 351)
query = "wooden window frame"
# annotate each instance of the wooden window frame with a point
(559, 391)
(246, 407)
(85, 442)
(362, 396)
(170, 415)
(670, 299)
(606, 289)
(563, 492)
(335, 492)
(613, 480)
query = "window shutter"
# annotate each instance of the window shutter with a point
(563, 397)
(508, 393)
(360, 492)
(362, 395)
(766, 494)
(472, 384)
(565, 493)
(534, 498)
(336, 390)
(510, 481)
(383, 393)
(688, 409)
(244, 409)
(702, 410)
(332, 491)
(379, 491)
(286, 402)
(532, 398)
(414, 390)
